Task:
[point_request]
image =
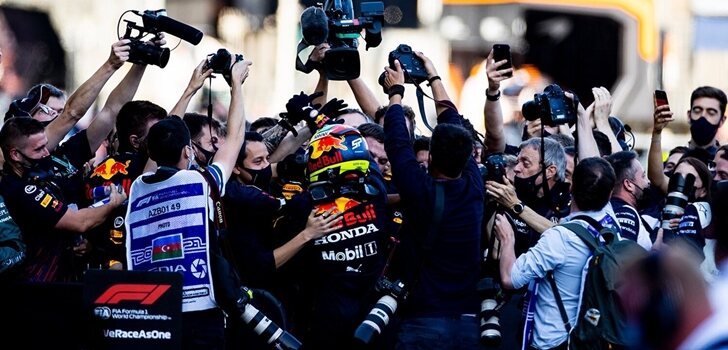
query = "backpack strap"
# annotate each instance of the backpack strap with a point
(559, 302)
(591, 242)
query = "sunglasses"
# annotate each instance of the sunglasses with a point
(46, 109)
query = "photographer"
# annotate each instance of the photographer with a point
(170, 147)
(443, 261)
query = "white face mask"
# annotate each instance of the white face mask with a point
(191, 158)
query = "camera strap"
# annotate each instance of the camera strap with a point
(421, 102)
(307, 67)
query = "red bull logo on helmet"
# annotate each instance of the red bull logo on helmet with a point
(326, 144)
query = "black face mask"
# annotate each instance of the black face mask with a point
(208, 154)
(41, 168)
(645, 199)
(702, 131)
(526, 188)
(261, 177)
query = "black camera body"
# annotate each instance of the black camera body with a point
(341, 61)
(552, 107)
(412, 66)
(494, 168)
(222, 63)
(383, 310)
(155, 22)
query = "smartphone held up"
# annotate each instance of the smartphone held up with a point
(503, 52)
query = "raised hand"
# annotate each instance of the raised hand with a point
(119, 53)
(495, 76)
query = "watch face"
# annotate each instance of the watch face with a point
(518, 208)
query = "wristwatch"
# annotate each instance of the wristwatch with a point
(492, 97)
(518, 208)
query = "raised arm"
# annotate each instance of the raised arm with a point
(495, 140)
(196, 81)
(80, 101)
(105, 120)
(438, 88)
(317, 55)
(587, 145)
(602, 108)
(228, 152)
(662, 117)
(364, 96)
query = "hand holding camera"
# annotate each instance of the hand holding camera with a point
(222, 62)
(502, 192)
(393, 76)
(240, 71)
(119, 53)
(199, 75)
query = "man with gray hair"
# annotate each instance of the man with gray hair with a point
(539, 195)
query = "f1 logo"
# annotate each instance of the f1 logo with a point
(146, 294)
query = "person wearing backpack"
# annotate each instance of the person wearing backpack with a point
(559, 257)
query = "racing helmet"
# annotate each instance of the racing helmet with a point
(335, 150)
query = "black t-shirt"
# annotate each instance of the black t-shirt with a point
(37, 208)
(250, 213)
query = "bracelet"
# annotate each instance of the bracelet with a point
(431, 80)
(495, 97)
(396, 90)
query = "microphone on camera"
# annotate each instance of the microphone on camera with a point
(314, 25)
(168, 25)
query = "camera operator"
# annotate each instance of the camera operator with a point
(631, 195)
(442, 274)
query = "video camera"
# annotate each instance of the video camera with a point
(155, 22)
(383, 310)
(222, 62)
(552, 107)
(337, 26)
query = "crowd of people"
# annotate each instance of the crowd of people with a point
(462, 240)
